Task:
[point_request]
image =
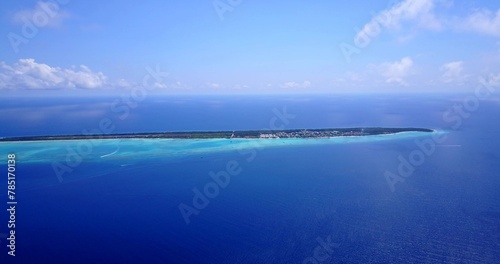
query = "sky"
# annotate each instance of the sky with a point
(239, 46)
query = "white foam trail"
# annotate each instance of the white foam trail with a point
(112, 153)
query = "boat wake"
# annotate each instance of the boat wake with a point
(110, 154)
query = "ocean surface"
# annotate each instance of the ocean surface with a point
(403, 198)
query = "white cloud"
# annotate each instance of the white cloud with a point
(28, 74)
(453, 72)
(305, 84)
(44, 14)
(395, 72)
(160, 85)
(419, 11)
(422, 13)
(31, 75)
(173, 85)
(349, 78)
(482, 21)
(291, 85)
(214, 85)
(241, 87)
(123, 83)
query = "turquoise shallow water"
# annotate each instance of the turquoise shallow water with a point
(65, 161)
(115, 149)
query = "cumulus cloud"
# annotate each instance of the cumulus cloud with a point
(453, 72)
(395, 72)
(305, 84)
(419, 11)
(28, 74)
(422, 14)
(482, 21)
(44, 14)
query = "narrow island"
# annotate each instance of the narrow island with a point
(250, 134)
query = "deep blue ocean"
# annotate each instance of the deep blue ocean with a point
(277, 200)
